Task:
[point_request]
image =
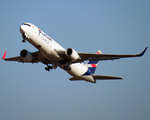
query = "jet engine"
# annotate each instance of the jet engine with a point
(26, 55)
(72, 54)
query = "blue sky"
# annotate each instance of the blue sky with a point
(29, 92)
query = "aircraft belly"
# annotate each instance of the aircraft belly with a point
(49, 53)
(77, 69)
(48, 50)
(88, 78)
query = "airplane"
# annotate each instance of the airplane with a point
(54, 55)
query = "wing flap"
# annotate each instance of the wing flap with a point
(104, 77)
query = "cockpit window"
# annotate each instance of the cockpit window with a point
(27, 24)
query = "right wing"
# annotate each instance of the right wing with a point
(38, 57)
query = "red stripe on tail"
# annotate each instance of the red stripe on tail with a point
(93, 65)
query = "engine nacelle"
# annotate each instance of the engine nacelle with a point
(26, 55)
(72, 54)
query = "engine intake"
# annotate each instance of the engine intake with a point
(72, 54)
(26, 55)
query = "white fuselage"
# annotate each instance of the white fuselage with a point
(48, 47)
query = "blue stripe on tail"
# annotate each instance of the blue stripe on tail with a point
(92, 69)
(92, 66)
(92, 62)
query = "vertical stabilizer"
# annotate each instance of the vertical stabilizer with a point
(93, 64)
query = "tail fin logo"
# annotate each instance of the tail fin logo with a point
(99, 52)
(93, 64)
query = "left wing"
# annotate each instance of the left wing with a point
(98, 57)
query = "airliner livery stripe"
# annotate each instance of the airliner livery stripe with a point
(92, 62)
(93, 65)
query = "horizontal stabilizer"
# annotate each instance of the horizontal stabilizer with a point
(104, 77)
(75, 78)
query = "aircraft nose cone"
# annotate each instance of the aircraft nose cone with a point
(22, 28)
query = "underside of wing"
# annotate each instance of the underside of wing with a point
(104, 77)
(99, 57)
(18, 58)
(36, 57)
(75, 78)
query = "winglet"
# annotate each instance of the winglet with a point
(142, 53)
(4, 55)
